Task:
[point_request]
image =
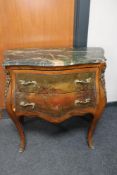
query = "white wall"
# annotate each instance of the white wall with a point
(103, 33)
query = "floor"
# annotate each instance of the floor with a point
(60, 149)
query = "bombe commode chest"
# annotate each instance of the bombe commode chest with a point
(55, 84)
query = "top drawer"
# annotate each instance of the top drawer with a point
(34, 82)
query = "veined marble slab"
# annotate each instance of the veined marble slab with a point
(53, 57)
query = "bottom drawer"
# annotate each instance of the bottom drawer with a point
(53, 103)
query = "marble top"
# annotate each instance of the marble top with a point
(53, 57)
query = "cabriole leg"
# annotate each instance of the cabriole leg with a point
(21, 134)
(15, 119)
(19, 127)
(91, 131)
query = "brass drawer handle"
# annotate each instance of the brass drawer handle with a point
(23, 82)
(88, 80)
(27, 104)
(87, 100)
